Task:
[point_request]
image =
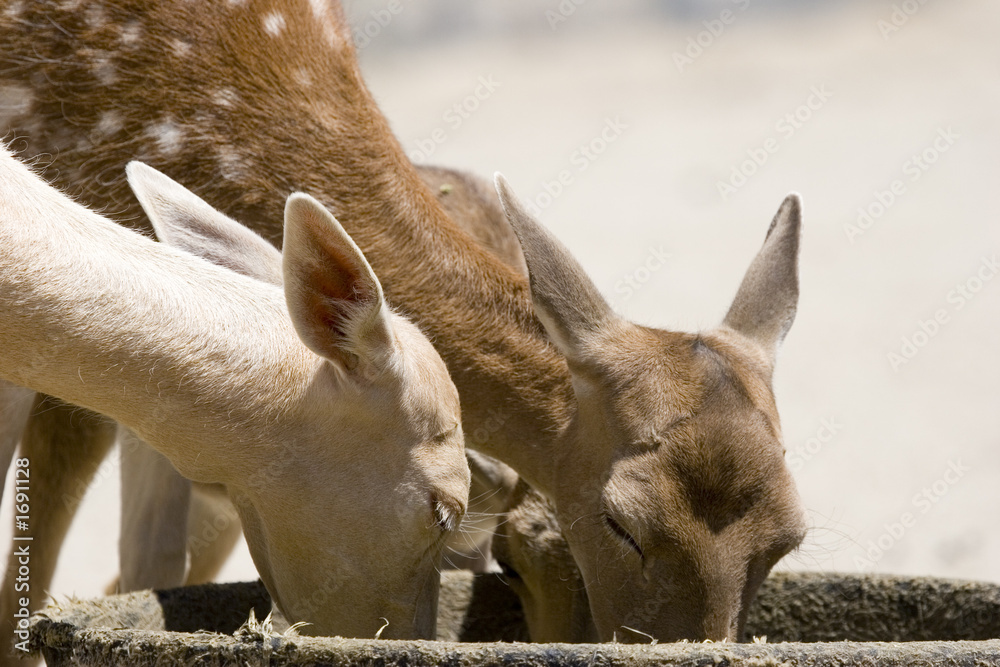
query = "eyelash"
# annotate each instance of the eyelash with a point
(623, 535)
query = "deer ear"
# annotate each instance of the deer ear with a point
(334, 298)
(764, 307)
(183, 220)
(568, 304)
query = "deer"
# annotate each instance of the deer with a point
(159, 549)
(285, 394)
(660, 451)
(175, 532)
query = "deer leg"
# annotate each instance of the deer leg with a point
(213, 530)
(15, 409)
(152, 548)
(65, 446)
(168, 522)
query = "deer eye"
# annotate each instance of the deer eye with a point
(443, 436)
(623, 535)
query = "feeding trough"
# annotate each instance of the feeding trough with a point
(808, 619)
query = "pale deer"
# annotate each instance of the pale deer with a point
(175, 532)
(329, 418)
(660, 451)
(171, 538)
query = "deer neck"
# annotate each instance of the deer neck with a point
(164, 343)
(515, 389)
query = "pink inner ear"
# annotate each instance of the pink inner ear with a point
(338, 282)
(339, 278)
(338, 274)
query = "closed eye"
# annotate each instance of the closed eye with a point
(443, 437)
(623, 535)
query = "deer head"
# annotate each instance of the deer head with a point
(383, 402)
(688, 503)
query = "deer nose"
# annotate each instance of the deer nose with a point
(448, 511)
(721, 627)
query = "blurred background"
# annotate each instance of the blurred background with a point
(658, 139)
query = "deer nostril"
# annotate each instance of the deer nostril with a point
(447, 514)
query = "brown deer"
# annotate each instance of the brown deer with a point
(660, 451)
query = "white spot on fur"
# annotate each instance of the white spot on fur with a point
(13, 11)
(321, 12)
(226, 97)
(232, 166)
(303, 77)
(104, 69)
(131, 33)
(237, 3)
(109, 123)
(181, 48)
(168, 136)
(70, 5)
(94, 16)
(274, 23)
(15, 100)
(320, 9)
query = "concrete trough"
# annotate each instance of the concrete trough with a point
(808, 619)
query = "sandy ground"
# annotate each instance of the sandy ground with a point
(897, 457)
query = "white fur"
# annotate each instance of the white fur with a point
(334, 471)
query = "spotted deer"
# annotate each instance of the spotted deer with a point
(284, 394)
(659, 451)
